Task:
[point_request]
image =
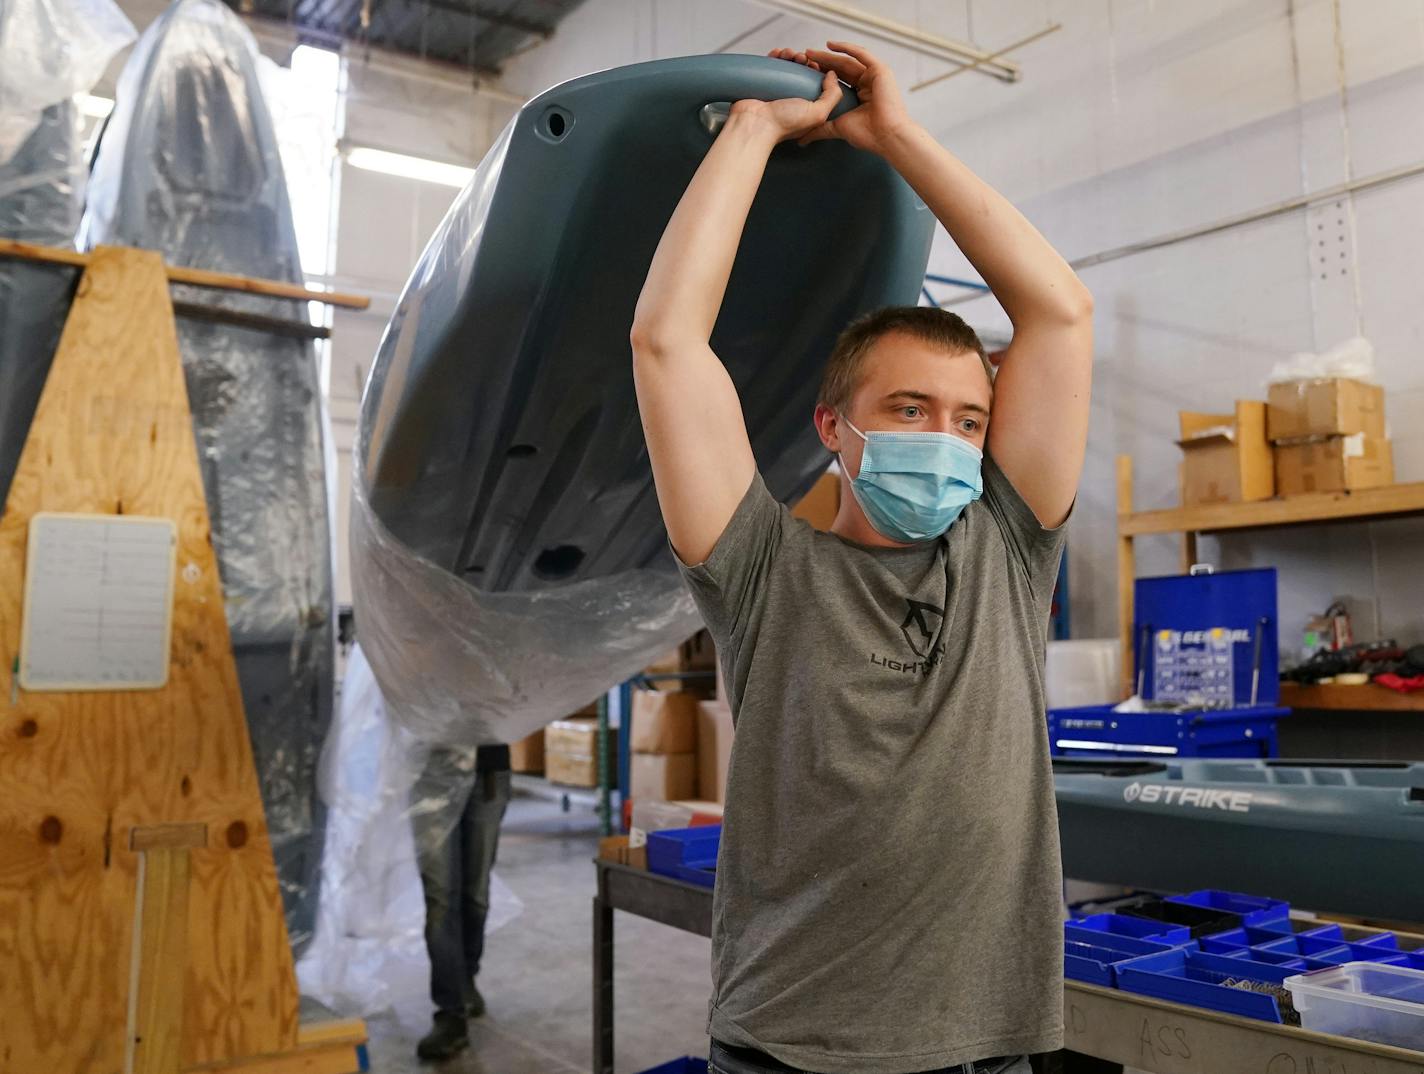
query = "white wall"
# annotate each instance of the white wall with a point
(1136, 119)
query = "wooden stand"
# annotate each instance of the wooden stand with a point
(141, 926)
(1391, 501)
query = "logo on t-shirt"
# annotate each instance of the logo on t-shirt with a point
(921, 626)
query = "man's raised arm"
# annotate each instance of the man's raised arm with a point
(692, 420)
(1038, 429)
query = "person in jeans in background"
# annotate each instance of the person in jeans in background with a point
(456, 822)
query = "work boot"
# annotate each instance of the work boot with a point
(448, 1038)
(475, 1005)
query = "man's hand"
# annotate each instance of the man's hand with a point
(881, 115)
(792, 117)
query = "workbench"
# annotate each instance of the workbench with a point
(1105, 1023)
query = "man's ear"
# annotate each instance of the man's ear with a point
(828, 428)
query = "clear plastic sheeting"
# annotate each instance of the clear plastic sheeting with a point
(41, 185)
(368, 955)
(189, 166)
(49, 51)
(462, 666)
(1354, 359)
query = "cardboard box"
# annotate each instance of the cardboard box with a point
(1333, 464)
(668, 776)
(1226, 457)
(1330, 406)
(696, 655)
(527, 755)
(703, 812)
(575, 770)
(577, 735)
(617, 848)
(714, 749)
(664, 723)
(820, 504)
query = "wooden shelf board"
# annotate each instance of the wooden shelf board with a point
(1360, 698)
(1289, 511)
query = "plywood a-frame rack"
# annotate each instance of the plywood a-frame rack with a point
(141, 926)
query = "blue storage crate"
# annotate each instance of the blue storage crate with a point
(1094, 961)
(688, 854)
(1267, 933)
(1122, 925)
(1253, 909)
(1202, 636)
(688, 1065)
(1328, 950)
(1182, 975)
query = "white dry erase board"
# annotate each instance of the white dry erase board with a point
(98, 611)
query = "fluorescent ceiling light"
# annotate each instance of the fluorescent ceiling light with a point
(430, 171)
(89, 105)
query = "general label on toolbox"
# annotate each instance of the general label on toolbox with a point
(1196, 665)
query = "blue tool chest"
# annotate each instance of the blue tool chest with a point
(1205, 657)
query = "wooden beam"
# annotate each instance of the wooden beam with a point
(221, 281)
(1126, 570)
(331, 1047)
(1288, 511)
(162, 966)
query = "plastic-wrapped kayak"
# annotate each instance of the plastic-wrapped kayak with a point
(505, 512)
(1346, 836)
(189, 166)
(39, 202)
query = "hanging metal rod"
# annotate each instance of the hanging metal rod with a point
(959, 53)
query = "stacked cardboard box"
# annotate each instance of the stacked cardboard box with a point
(686, 669)
(663, 764)
(527, 755)
(571, 750)
(714, 749)
(1328, 435)
(1226, 457)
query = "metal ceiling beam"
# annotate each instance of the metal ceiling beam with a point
(959, 53)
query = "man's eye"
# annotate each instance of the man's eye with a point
(911, 411)
(969, 425)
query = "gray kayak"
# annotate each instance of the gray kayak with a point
(1346, 836)
(189, 166)
(504, 502)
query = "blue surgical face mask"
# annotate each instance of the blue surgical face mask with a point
(912, 486)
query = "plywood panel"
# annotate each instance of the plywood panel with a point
(112, 435)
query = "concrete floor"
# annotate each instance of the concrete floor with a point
(538, 971)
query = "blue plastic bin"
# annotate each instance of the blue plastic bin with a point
(1253, 909)
(1094, 961)
(1122, 925)
(687, 1065)
(1193, 977)
(687, 854)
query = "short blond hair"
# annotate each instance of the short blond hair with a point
(927, 323)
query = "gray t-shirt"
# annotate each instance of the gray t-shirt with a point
(888, 889)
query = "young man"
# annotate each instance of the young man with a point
(888, 892)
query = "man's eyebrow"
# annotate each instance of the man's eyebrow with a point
(975, 408)
(910, 393)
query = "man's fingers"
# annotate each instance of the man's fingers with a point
(860, 55)
(830, 94)
(819, 133)
(849, 69)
